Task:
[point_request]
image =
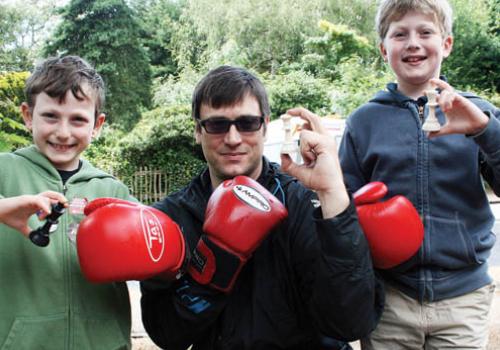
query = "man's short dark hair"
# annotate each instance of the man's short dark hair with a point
(227, 86)
(56, 75)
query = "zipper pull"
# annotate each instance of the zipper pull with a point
(421, 113)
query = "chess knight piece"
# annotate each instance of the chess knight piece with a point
(289, 146)
(431, 123)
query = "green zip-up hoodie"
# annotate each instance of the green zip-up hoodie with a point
(45, 302)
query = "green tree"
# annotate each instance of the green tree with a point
(13, 133)
(12, 55)
(24, 24)
(163, 140)
(338, 43)
(267, 33)
(298, 88)
(106, 34)
(158, 20)
(494, 19)
(473, 62)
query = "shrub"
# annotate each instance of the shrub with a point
(13, 133)
(163, 140)
(297, 88)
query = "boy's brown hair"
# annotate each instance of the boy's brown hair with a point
(393, 10)
(56, 75)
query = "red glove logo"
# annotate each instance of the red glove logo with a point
(153, 234)
(251, 197)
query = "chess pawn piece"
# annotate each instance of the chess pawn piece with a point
(289, 146)
(431, 123)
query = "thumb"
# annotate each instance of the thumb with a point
(286, 161)
(104, 201)
(288, 166)
(445, 130)
(370, 193)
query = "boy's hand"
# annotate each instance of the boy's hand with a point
(463, 117)
(15, 211)
(321, 170)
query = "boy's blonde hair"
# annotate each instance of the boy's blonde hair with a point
(393, 10)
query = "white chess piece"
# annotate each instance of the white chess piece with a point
(289, 146)
(431, 123)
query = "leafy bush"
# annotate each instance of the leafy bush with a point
(337, 44)
(474, 59)
(13, 133)
(176, 90)
(163, 140)
(104, 152)
(357, 84)
(297, 88)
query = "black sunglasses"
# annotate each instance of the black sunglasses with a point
(221, 125)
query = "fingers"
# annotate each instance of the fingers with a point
(44, 201)
(55, 197)
(301, 172)
(313, 122)
(446, 96)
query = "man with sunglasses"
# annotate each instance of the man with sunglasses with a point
(309, 279)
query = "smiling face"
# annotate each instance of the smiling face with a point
(234, 152)
(62, 129)
(414, 47)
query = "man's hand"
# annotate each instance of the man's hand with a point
(15, 211)
(463, 116)
(321, 170)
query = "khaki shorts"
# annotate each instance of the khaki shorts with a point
(456, 323)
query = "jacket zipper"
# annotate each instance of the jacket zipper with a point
(66, 259)
(421, 114)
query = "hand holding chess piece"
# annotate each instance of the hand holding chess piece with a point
(320, 167)
(289, 146)
(462, 116)
(431, 123)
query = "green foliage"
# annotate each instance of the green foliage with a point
(267, 33)
(357, 84)
(297, 88)
(176, 90)
(356, 14)
(338, 43)
(107, 35)
(12, 57)
(13, 133)
(476, 51)
(494, 19)
(104, 151)
(475, 56)
(158, 19)
(163, 140)
(23, 26)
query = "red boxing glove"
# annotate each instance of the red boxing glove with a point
(120, 240)
(393, 228)
(239, 215)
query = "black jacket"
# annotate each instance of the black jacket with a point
(310, 277)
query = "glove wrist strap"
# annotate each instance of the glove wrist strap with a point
(214, 265)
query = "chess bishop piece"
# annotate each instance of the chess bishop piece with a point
(431, 123)
(289, 146)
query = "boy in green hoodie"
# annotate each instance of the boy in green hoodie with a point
(45, 300)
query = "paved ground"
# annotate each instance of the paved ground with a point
(140, 340)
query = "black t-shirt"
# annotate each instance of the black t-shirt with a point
(66, 174)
